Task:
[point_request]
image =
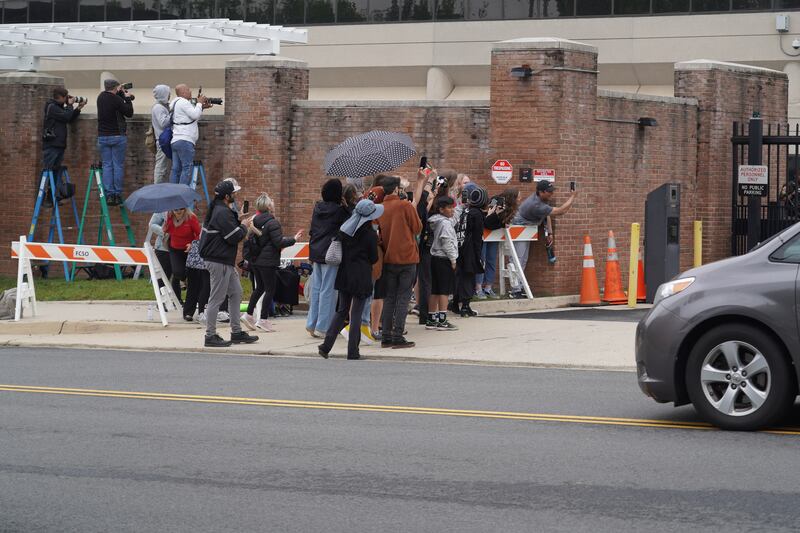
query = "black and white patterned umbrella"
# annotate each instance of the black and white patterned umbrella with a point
(369, 153)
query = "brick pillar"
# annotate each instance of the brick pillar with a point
(23, 95)
(547, 121)
(725, 92)
(258, 125)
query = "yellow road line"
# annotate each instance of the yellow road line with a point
(266, 402)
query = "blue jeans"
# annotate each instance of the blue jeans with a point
(489, 256)
(323, 298)
(112, 154)
(182, 162)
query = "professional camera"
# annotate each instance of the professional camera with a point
(78, 99)
(215, 101)
(127, 86)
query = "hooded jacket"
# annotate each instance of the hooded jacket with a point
(220, 237)
(359, 253)
(271, 241)
(56, 118)
(469, 254)
(326, 220)
(159, 114)
(444, 242)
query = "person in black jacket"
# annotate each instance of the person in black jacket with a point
(58, 112)
(354, 278)
(470, 237)
(113, 105)
(219, 243)
(328, 216)
(270, 242)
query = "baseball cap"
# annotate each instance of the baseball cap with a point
(545, 186)
(224, 188)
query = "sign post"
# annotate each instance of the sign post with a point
(754, 159)
(502, 171)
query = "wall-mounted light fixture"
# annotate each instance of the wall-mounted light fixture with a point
(522, 73)
(647, 121)
(642, 122)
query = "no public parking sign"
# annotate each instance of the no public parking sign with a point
(502, 171)
(753, 180)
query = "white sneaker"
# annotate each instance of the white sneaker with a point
(201, 318)
(264, 325)
(249, 321)
(222, 316)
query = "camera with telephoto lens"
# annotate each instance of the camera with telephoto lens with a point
(209, 99)
(78, 99)
(126, 87)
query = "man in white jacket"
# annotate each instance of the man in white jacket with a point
(159, 117)
(185, 132)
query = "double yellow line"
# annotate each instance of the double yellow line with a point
(300, 404)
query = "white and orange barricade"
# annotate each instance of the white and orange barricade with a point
(26, 251)
(506, 236)
(296, 252)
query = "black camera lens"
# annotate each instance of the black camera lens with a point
(215, 101)
(127, 86)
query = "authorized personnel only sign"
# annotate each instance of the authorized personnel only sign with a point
(546, 174)
(502, 171)
(753, 180)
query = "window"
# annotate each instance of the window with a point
(557, 8)
(449, 9)
(173, 9)
(230, 9)
(93, 10)
(751, 4)
(320, 12)
(352, 10)
(485, 9)
(631, 7)
(40, 11)
(588, 8)
(290, 12)
(788, 253)
(118, 10)
(201, 9)
(384, 10)
(711, 5)
(416, 10)
(781, 4)
(261, 11)
(670, 6)
(145, 9)
(65, 11)
(520, 9)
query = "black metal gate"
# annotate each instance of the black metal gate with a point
(755, 218)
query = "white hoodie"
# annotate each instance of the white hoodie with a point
(184, 120)
(445, 243)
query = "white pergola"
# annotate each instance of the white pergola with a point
(22, 45)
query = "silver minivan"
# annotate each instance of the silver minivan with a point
(725, 337)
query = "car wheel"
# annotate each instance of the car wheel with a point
(738, 378)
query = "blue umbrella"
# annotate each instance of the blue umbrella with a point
(161, 197)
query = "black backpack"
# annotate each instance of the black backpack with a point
(251, 249)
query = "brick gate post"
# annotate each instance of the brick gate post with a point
(24, 95)
(258, 114)
(548, 121)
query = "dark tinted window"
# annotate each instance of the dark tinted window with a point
(15, 12)
(230, 9)
(290, 12)
(631, 7)
(417, 10)
(593, 7)
(40, 11)
(352, 10)
(711, 5)
(485, 9)
(145, 9)
(520, 9)
(780, 4)
(173, 9)
(670, 6)
(557, 8)
(118, 9)
(261, 11)
(384, 10)
(65, 11)
(788, 253)
(450, 9)
(320, 12)
(201, 9)
(93, 10)
(751, 4)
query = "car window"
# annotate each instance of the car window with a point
(789, 252)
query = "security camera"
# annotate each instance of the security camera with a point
(796, 44)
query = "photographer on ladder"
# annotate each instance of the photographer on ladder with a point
(58, 112)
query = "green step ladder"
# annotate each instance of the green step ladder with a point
(96, 180)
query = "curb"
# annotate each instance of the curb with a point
(66, 327)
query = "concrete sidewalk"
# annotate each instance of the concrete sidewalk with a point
(497, 339)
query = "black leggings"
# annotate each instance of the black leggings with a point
(264, 279)
(177, 259)
(166, 264)
(346, 306)
(198, 287)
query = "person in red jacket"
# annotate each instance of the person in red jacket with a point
(181, 228)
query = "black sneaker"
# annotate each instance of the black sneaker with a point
(322, 352)
(188, 318)
(215, 341)
(446, 326)
(387, 342)
(401, 343)
(431, 324)
(243, 337)
(467, 311)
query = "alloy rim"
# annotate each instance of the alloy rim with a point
(735, 378)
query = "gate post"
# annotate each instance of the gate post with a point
(754, 157)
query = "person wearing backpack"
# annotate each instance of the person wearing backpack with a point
(265, 258)
(184, 118)
(58, 112)
(159, 119)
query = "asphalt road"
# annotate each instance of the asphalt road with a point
(427, 448)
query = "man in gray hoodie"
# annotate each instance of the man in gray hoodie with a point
(444, 254)
(160, 119)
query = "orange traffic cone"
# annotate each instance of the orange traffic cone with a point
(590, 292)
(613, 288)
(641, 290)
